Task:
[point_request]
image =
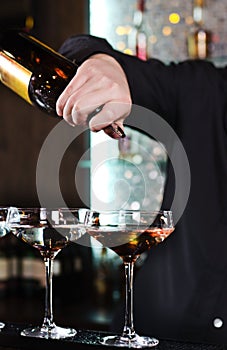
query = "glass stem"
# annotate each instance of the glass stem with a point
(48, 318)
(128, 330)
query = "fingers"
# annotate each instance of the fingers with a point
(110, 113)
(76, 83)
(81, 104)
(109, 117)
(88, 78)
(98, 82)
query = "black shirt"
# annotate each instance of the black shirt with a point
(181, 290)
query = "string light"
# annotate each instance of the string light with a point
(166, 31)
(174, 18)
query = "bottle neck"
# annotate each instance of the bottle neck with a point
(139, 14)
(198, 12)
(141, 5)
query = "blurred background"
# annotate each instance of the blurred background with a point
(88, 282)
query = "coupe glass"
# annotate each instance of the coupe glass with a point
(129, 233)
(3, 231)
(49, 230)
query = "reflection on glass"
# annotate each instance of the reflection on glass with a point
(49, 231)
(129, 234)
(127, 174)
(3, 231)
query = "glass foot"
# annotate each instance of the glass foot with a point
(54, 332)
(137, 342)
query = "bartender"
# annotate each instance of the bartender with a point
(181, 290)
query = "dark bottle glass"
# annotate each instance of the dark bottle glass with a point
(37, 73)
(33, 70)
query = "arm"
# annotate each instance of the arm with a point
(99, 81)
(108, 77)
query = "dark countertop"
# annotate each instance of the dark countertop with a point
(10, 338)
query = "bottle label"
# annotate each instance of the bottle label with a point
(14, 76)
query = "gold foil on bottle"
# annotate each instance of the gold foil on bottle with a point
(14, 76)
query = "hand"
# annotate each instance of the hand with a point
(99, 81)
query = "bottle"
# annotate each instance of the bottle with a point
(141, 36)
(37, 73)
(32, 70)
(199, 40)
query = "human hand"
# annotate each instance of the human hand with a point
(99, 81)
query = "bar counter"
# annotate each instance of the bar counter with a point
(10, 339)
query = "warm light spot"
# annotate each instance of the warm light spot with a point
(29, 22)
(128, 51)
(120, 30)
(157, 151)
(174, 18)
(189, 20)
(153, 39)
(128, 30)
(60, 73)
(128, 174)
(120, 45)
(166, 30)
(123, 30)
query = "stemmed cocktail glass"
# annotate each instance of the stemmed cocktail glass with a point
(49, 230)
(3, 231)
(129, 233)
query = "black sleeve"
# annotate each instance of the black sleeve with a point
(152, 83)
(179, 93)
